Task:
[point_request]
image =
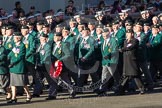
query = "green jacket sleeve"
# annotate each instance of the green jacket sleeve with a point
(66, 51)
(157, 41)
(3, 54)
(91, 50)
(32, 47)
(46, 59)
(120, 38)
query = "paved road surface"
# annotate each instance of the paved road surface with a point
(90, 100)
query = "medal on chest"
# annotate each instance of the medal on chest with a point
(42, 52)
(87, 46)
(26, 43)
(59, 51)
(16, 51)
(59, 47)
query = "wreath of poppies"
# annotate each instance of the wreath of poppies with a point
(56, 69)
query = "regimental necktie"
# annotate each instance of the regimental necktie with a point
(104, 45)
(54, 49)
(152, 39)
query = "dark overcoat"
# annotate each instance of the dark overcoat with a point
(130, 51)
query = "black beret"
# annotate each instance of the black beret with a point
(58, 34)
(86, 28)
(146, 24)
(17, 34)
(9, 27)
(30, 24)
(40, 23)
(155, 26)
(105, 30)
(71, 1)
(59, 25)
(66, 28)
(128, 21)
(24, 27)
(91, 23)
(46, 25)
(130, 31)
(139, 23)
(3, 27)
(109, 25)
(115, 22)
(44, 35)
(81, 23)
(73, 20)
(129, 24)
(99, 26)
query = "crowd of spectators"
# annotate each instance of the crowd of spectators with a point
(70, 9)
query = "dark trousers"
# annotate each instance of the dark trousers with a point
(82, 77)
(52, 83)
(144, 68)
(30, 69)
(155, 66)
(65, 81)
(99, 70)
(127, 79)
(109, 77)
(119, 68)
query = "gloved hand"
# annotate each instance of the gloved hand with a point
(10, 65)
(40, 65)
(106, 57)
(83, 59)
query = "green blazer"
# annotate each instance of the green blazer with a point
(50, 36)
(62, 51)
(94, 34)
(45, 54)
(37, 41)
(71, 41)
(3, 58)
(76, 32)
(124, 30)
(9, 44)
(142, 49)
(97, 50)
(120, 37)
(17, 59)
(30, 48)
(86, 48)
(33, 33)
(111, 51)
(156, 48)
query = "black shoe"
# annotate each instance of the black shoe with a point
(28, 99)
(101, 94)
(72, 95)
(12, 101)
(35, 95)
(51, 98)
(8, 98)
(142, 91)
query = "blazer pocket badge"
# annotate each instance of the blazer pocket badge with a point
(26, 45)
(59, 51)
(109, 50)
(9, 45)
